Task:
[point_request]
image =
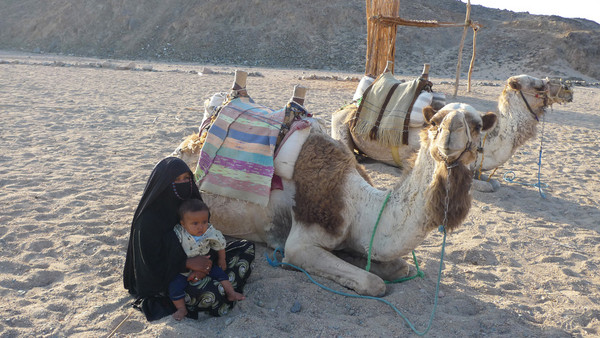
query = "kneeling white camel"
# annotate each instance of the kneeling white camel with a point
(329, 208)
(521, 106)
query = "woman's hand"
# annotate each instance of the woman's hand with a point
(200, 264)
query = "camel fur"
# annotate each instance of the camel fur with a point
(328, 210)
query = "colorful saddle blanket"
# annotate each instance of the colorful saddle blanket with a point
(384, 112)
(236, 159)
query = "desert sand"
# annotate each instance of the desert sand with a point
(79, 138)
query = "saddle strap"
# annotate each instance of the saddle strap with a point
(373, 132)
(360, 107)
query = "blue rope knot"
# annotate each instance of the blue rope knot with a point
(509, 176)
(274, 262)
(442, 229)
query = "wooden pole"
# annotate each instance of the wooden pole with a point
(370, 25)
(462, 44)
(472, 57)
(381, 39)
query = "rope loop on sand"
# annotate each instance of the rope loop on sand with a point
(510, 176)
(442, 228)
(274, 262)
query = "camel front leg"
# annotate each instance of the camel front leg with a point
(302, 251)
(391, 270)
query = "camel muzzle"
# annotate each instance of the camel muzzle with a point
(559, 91)
(454, 138)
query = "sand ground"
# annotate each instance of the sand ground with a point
(78, 142)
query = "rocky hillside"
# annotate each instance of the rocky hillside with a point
(319, 34)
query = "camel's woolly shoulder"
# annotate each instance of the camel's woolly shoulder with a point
(319, 175)
(350, 112)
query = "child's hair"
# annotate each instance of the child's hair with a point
(192, 205)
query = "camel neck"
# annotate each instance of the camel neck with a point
(402, 221)
(528, 106)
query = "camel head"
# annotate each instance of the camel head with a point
(454, 132)
(453, 137)
(537, 93)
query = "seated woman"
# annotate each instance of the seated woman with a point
(155, 256)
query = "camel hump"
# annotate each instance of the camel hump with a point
(319, 175)
(288, 150)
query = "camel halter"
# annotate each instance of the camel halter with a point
(545, 95)
(528, 106)
(562, 89)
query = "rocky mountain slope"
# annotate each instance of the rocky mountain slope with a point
(319, 34)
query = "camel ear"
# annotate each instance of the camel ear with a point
(428, 113)
(514, 84)
(489, 120)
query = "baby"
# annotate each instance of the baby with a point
(198, 237)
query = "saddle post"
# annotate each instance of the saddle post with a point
(238, 88)
(425, 73)
(389, 67)
(299, 94)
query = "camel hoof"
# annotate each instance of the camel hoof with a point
(495, 185)
(485, 184)
(482, 186)
(402, 273)
(374, 288)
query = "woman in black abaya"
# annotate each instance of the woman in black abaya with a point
(155, 257)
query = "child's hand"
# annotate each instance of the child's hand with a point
(222, 264)
(195, 276)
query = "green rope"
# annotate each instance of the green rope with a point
(274, 262)
(419, 273)
(368, 267)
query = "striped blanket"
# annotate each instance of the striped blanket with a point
(236, 159)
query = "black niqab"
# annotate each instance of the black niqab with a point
(154, 255)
